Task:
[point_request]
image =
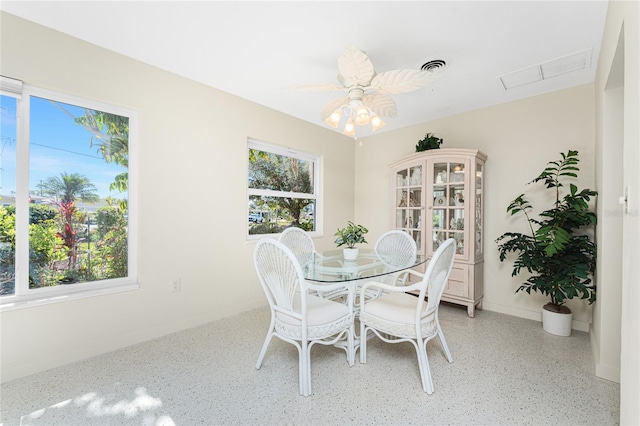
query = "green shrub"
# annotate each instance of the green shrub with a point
(266, 228)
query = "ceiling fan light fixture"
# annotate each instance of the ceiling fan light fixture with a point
(368, 92)
(349, 118)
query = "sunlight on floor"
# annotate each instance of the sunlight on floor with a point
(96, 407)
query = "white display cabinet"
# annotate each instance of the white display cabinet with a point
(439, 194)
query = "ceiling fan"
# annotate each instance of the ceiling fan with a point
(367, 98)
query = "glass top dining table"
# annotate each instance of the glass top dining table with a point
(330, 266)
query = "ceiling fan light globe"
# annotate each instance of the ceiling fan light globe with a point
(349, 129)
(334, 119)
(376, 122)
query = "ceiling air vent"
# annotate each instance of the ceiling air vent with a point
(575, 62)
(434, 65)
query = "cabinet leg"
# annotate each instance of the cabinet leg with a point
(471, 309)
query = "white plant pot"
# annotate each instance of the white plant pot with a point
(350, 253)
(555, 323)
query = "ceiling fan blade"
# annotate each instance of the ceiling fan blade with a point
(402, 81)
(331, 106)
(381, 104)
(317, 87)
(355, 68)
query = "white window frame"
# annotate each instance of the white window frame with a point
(23, 296)
(287, 152)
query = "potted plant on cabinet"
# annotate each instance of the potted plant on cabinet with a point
(557, 253)
(430, 141)
(349, 236)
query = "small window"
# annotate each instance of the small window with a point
(282, 188)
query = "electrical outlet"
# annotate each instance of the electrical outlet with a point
(176, 285)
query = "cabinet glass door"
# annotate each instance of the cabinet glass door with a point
(448, 184)
(409, 205)
(478, 208)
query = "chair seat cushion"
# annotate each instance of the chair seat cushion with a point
(319, 311)
(399, 308)
(395, 314)
(325, 318)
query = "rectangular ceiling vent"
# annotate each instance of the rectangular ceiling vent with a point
(543, 71)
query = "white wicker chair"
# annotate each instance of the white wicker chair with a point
(302, 246)
(396, 248)
(400, 317)
(299, 242)
(298, 317)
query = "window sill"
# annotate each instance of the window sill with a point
(11, 303)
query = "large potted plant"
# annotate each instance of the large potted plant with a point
(557, 253)
(349, 236)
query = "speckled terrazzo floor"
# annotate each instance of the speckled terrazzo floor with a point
(506, 371)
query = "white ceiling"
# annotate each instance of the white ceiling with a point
(255, 50)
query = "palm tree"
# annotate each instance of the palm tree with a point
(65, 190)
(69, 187)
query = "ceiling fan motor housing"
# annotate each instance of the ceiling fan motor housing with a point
(356, 93)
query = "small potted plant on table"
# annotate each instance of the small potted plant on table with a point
(349, 236)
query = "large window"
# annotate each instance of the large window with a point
(282, 189)
(67, 210)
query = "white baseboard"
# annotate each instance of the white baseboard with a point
(608, 373)
(528, 314)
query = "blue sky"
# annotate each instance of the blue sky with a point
(58, 145)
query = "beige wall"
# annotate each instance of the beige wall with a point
(192, 168)
(519, 139)
(616, 332)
